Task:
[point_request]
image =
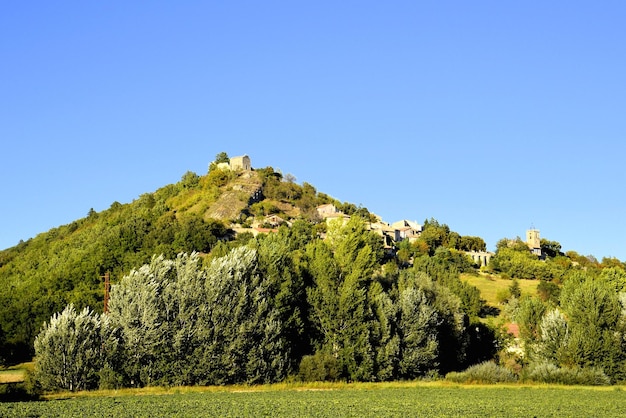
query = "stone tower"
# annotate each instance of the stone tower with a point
(533, 241)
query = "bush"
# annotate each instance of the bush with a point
(319, 367)
(28, 390)
(14, 392)
(503, 296)
(111, 379)
(487, 372)
(549, 373)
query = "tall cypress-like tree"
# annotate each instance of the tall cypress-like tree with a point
(342, 269)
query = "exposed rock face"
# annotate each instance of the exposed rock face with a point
(243, 191)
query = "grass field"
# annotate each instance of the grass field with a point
(490, 285)
(354, 400)
(15, 374)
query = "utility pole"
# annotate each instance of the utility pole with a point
(107, 287)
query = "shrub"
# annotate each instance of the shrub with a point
(503, 296)
(487, 372)
(319, 367)
(549, 373)
(28, 390)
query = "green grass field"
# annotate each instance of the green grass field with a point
(357, 400)
(490, 285)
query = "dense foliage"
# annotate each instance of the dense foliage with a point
(287, 303)
(254, 314)
(574, 329)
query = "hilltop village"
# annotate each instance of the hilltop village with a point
(390, 233)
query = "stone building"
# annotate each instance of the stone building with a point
(240, 163)
(407, 230)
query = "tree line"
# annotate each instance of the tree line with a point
(285, 304)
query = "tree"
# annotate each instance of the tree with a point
(528, 317)
(615, 277)
(278, 256)
(243, 338)
(190, 180)
(595, 317)
(554, 336)
(450, 331)
(68, 351)
(418, 327)
(3, 358)
(588, 330)
(515, 289)
(222, 157)
(468, 243)
(550, 248)
(548, 291)
(342, 267)
(612, 262)
(434, 235)
(385, 336)
(138, 307)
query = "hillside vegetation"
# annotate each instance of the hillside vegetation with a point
(200, 297)
(66, 264)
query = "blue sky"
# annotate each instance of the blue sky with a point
(488, 116)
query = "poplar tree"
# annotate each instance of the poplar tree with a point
(68, 351)
(242, 333)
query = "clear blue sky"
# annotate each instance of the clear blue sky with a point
(489, 116)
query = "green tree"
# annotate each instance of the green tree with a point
(550, 248)
(615, 277)
(278, 264)
(528, 316)
(434, 235)
(3, 358)
(468, 243)
(385, 338)
(595, 321)
(222, 157)
(190, 180)
(548, 291)
(342, 268)
(450, 331)
(515, 289)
